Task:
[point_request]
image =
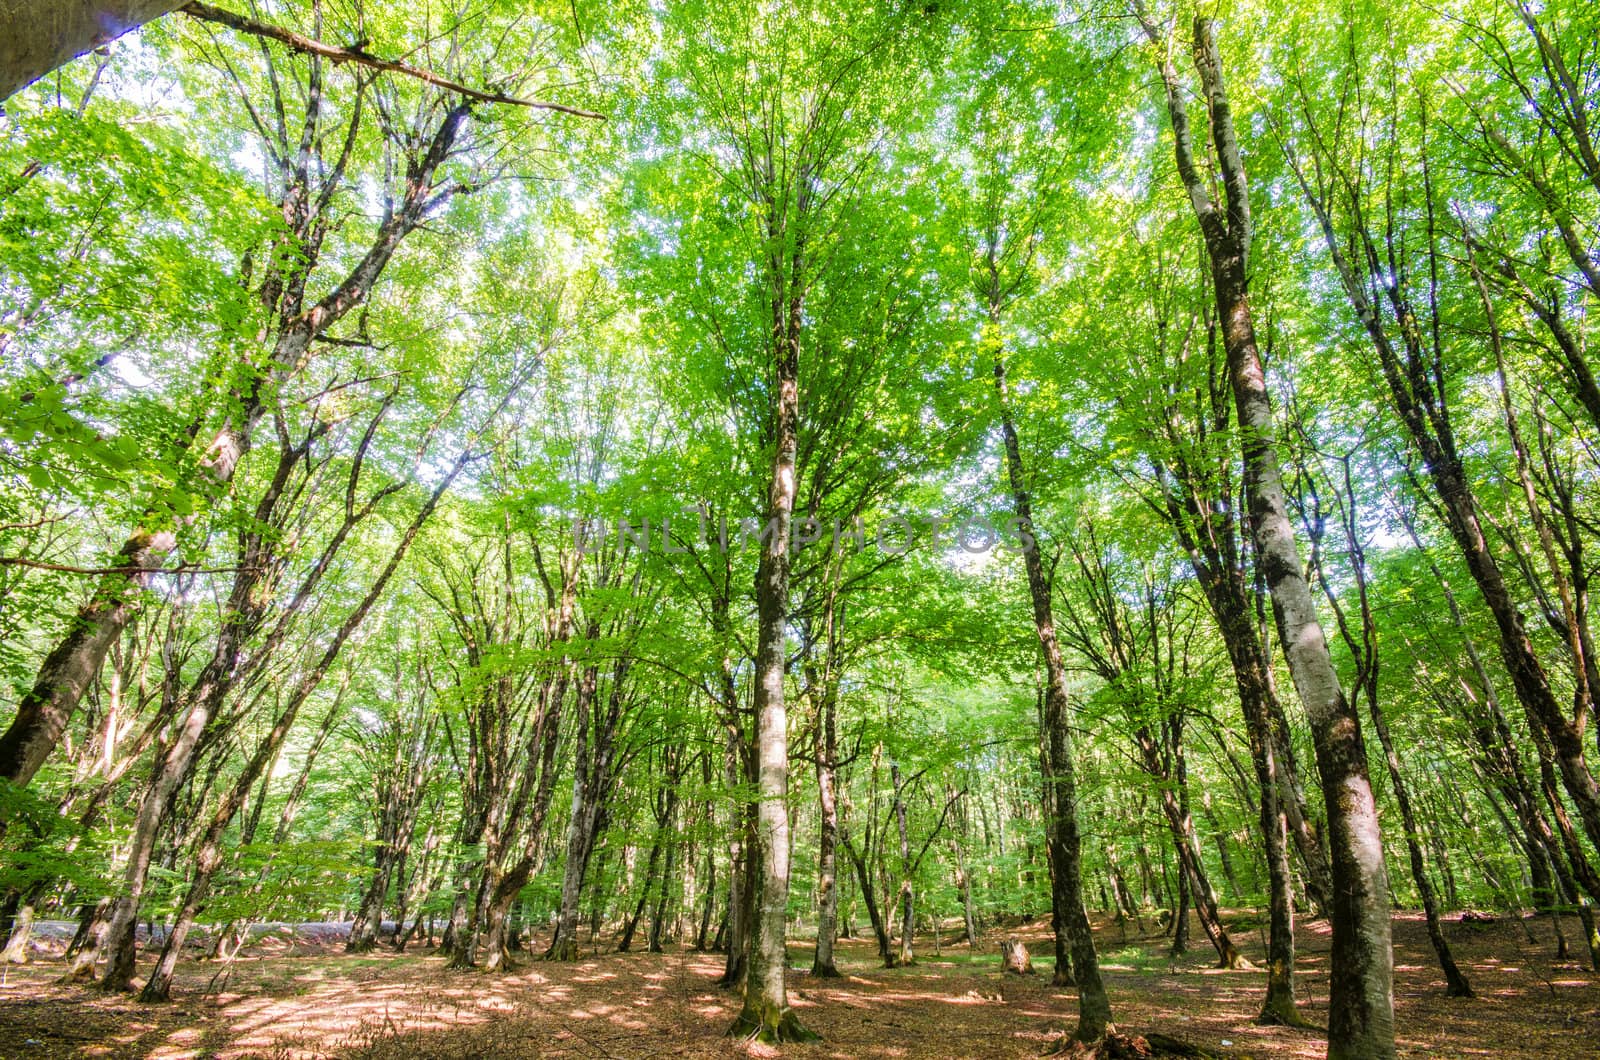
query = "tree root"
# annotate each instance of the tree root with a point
(82, 973)
(1293, 1019)
(1116, 1046)
(153, 995)
(762, 1025)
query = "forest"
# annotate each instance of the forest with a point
(812, 528)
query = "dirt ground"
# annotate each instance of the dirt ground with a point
(310, 1000)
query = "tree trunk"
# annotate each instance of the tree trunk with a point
(907, 895)
(209, 850)
(1455, 983)
(1014, 958)
(701, 939)
(72, 665)
(964, 878)
(822, 965)
(582, 829)
(741, 871)
(497, 939)
(1180, 919)
(16, 950)
(1361, 1004)
(42, 35)
(171, 770)
(1196, 886)
(88, 943)
(1061, 803)
(628, 928)
(369, 914)
(766, 1014)
(869, 898)
(659, 918)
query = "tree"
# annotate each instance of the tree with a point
(1361, 1006)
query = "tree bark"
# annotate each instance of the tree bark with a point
(1061, 803)
(869, 898)
(822, 965)
(1361, 1005)
(582, 825)
(907, 894)
(766, 1014)
(41, 35)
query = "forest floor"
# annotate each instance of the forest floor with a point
(307, 999)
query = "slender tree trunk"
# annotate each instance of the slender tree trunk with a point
(1064, 844)
(1196, 886)
(171, 770)
(907, 894)
(822, 965)
(369, 914)
(869, 898)
(1180, 919)
(658, 919)
(701, 937)
(242, 616)
(1455, 983)
(581, 828)
(740, 868)
(632, 923)
(963, 875)
(1193, 881)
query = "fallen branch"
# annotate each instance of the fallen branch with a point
(310, 46)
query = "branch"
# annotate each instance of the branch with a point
(310, 46)
(1178, 112)
(1208, 61)
(937, 828)
(63, 568)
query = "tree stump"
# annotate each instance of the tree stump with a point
(1014, 959)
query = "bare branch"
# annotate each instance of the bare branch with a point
(310, 46)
